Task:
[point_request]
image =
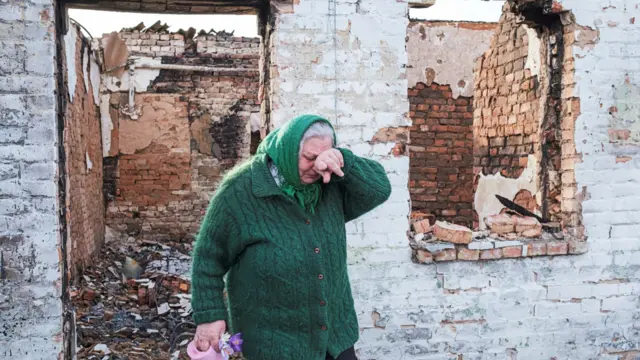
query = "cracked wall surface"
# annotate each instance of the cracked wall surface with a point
(30, 248)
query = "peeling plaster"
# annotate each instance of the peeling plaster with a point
(85, 69)
(88, 161)
(107, 124)
(446, 53)
(163, 123)
(533, 56)
(141, 80)
(70, 55)
(485, 201)
(94, 74)
(625, 114)
(255, 120)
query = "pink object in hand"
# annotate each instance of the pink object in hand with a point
(196, 354)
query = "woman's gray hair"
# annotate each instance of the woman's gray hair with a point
(318, 129)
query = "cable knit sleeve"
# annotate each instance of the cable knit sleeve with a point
(216, 247)
(365, 185)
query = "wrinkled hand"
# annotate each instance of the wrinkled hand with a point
(209, 334)
(329, 162)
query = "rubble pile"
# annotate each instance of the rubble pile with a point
(510, 235)
(134, 303)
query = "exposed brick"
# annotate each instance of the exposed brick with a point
(468, 255)
(424, 257)
(444, 144)
(446, 255)
(492, 254)
(512, 251)
(557, 248)
(83, 148)
(193, 128)
(452, 233)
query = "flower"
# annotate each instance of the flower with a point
(225, 337)
(225, 349)
(236, 342)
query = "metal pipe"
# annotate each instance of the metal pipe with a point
(192, 68)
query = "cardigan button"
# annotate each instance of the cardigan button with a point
(317, 250)
(324, 328)
(320, 276)
(322, 303)
(308, 222)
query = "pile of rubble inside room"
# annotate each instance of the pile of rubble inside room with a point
(134, 303)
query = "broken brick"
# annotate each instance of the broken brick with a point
(143, 299)
(88, 294)
(422, 226)
(424, 257)
(500, 223)
(528, 224)
(452, 233)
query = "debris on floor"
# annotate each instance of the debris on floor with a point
(134, 303)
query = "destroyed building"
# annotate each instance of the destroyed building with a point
(113, 145)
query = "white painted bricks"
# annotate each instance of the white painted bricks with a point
(539, 306)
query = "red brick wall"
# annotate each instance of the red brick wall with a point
(506, 103)
(82, 139)
(441, 153)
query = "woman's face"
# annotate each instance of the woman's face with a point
(310, 151)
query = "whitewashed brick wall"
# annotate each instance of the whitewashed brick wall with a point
(582, 307)
(30, 309)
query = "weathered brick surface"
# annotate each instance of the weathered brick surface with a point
(441, 153)
(30, 306)
(83, 149)
(193, 127)
(224, 51)
(441, 61)
(506, 103)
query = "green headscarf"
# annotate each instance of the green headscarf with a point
(283, 147)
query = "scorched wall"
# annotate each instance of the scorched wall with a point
(193, 125)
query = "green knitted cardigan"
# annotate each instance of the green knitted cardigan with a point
(286, 268)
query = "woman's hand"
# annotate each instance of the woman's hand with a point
(209, 334)
(329, 162)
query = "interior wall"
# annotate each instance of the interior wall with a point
(509, 106)
(83, 150)
(190, 123)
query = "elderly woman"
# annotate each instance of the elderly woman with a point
(276, 229)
